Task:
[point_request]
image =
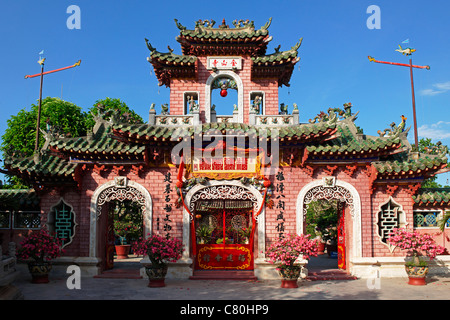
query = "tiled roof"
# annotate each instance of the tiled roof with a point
(278, 58)
(347, 142)
(432, 196)
(104, 144)
(47, 165)
(155, 132)
(18, 199)
(422, 165)
(205, 33)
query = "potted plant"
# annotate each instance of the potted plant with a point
(122, 230)
(161, 251)
(245, 234)
(416, 245)
(285, 251)
(330, 237)
(203, 233)
(38, 249)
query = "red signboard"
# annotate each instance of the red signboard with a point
(223, 257)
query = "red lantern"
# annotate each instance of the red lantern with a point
(223, 92)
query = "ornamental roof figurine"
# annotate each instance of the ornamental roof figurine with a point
(206, 40)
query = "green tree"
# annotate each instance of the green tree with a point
(426, 146)
(112, 107)
(61, 117)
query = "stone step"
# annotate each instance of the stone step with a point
(329, 274)
(223, 275)
(120, 274)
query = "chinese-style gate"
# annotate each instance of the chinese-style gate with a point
(229, 220)
(226, 213)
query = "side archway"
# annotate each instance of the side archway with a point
(337, 189)
(118, 189)
(240, 89)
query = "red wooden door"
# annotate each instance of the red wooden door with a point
(341, 237)
(233, 253)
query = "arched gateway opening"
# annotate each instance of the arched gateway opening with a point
(120, 189)
(348, 215)
(222, 213)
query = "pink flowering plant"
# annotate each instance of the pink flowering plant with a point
(285, 251)
(416, 244)
(40, 246)
(159, 249)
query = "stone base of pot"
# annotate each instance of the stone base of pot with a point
(156, 283)
(156, 276)
(122, 251)
(289, 283)
(289, 276)
(39, 271)
(417, 275)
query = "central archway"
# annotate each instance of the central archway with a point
(230, 189)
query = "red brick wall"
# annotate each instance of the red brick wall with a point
(295, 179)
(269, 86)
(152, 180)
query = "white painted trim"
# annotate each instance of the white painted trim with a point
(356, 214)
(94, 218)
(260, 220)
(234, 76)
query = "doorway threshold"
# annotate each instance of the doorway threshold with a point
(245, 275)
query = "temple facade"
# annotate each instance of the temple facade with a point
(244, 179)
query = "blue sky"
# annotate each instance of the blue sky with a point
(334, 68)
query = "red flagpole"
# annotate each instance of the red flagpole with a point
(410, 66)
(52, 71)
(41, 74)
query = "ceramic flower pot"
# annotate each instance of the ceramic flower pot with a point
(156, 275)
(122, 251)
(39, 271)
(417, 275)
(289, 276)
(321, 248)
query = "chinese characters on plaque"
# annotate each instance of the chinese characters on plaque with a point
(224, 63)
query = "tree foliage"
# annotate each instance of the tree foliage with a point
(112, 107)
(62, 117)
(425, 145)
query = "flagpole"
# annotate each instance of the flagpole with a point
(416, 139)
(36, 146)
(41, 62)
(408, 52)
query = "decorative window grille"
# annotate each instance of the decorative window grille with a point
(5, 219)
(428, 219)
(61, 221)
(390, 216)
(27, 219)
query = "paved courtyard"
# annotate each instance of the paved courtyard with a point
(136, 289)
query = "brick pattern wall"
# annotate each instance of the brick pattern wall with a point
(295, 178)
(179, 86)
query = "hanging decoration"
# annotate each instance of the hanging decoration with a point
(224, 84)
